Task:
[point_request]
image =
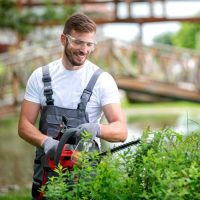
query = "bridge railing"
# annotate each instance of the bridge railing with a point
(171, 65)
(161, 63)
(17, 65)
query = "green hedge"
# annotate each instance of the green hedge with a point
(165, 165)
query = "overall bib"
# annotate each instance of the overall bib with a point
(51, 119)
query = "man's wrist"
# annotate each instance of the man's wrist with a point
(43, 140)
(47, 144)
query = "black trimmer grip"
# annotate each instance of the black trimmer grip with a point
(64, 139)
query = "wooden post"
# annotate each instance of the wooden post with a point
(140, 35)
(164, 8)
(116, 9)
(151, 8)
(129, 7)
(15, 87)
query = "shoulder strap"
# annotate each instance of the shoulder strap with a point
(46, 78)
(87, 92)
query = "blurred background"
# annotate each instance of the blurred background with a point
(151, 48)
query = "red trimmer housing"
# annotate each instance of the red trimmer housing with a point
(65, 155)
(67, 160)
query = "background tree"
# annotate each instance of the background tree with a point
(23, 20)
(13, 19)
(164, 38)
(188, 36)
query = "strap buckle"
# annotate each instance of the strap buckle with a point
(46, 79)
(50, 101)
(48, 90)
(86, 95)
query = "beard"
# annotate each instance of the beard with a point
(76, 58)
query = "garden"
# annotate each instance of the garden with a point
(165, 165)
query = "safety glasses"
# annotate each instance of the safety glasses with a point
(76, 43)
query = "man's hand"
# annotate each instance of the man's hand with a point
(50, 146)
(92, 128)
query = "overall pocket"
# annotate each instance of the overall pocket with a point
(54, 123)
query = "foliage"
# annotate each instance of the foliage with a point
(12, 18)
(167, 167)
(134, 58)
(187, 36)
(164, 166)
(165, 38)
(22, 194)
(24, 20)
(6, 13)
(57, 13)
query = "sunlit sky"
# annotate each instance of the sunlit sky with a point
(129, 31)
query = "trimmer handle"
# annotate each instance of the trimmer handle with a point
(64, 139)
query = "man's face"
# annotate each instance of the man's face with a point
(78, 46)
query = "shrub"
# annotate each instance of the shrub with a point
(165, 165)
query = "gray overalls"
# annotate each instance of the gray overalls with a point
(51, 119)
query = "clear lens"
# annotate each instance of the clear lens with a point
(79, 43)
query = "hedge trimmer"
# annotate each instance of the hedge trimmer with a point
(67, 154)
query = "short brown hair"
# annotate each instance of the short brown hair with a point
(80, 23)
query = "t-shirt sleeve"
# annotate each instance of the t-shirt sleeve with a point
(109, 92)
(34, 87)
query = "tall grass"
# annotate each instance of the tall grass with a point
(24, 194)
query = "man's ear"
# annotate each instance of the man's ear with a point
(63, 39)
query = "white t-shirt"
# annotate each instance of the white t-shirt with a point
(68, 86)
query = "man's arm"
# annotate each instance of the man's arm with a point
(116, 129)
(26, 126)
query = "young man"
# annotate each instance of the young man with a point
(72, 87)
